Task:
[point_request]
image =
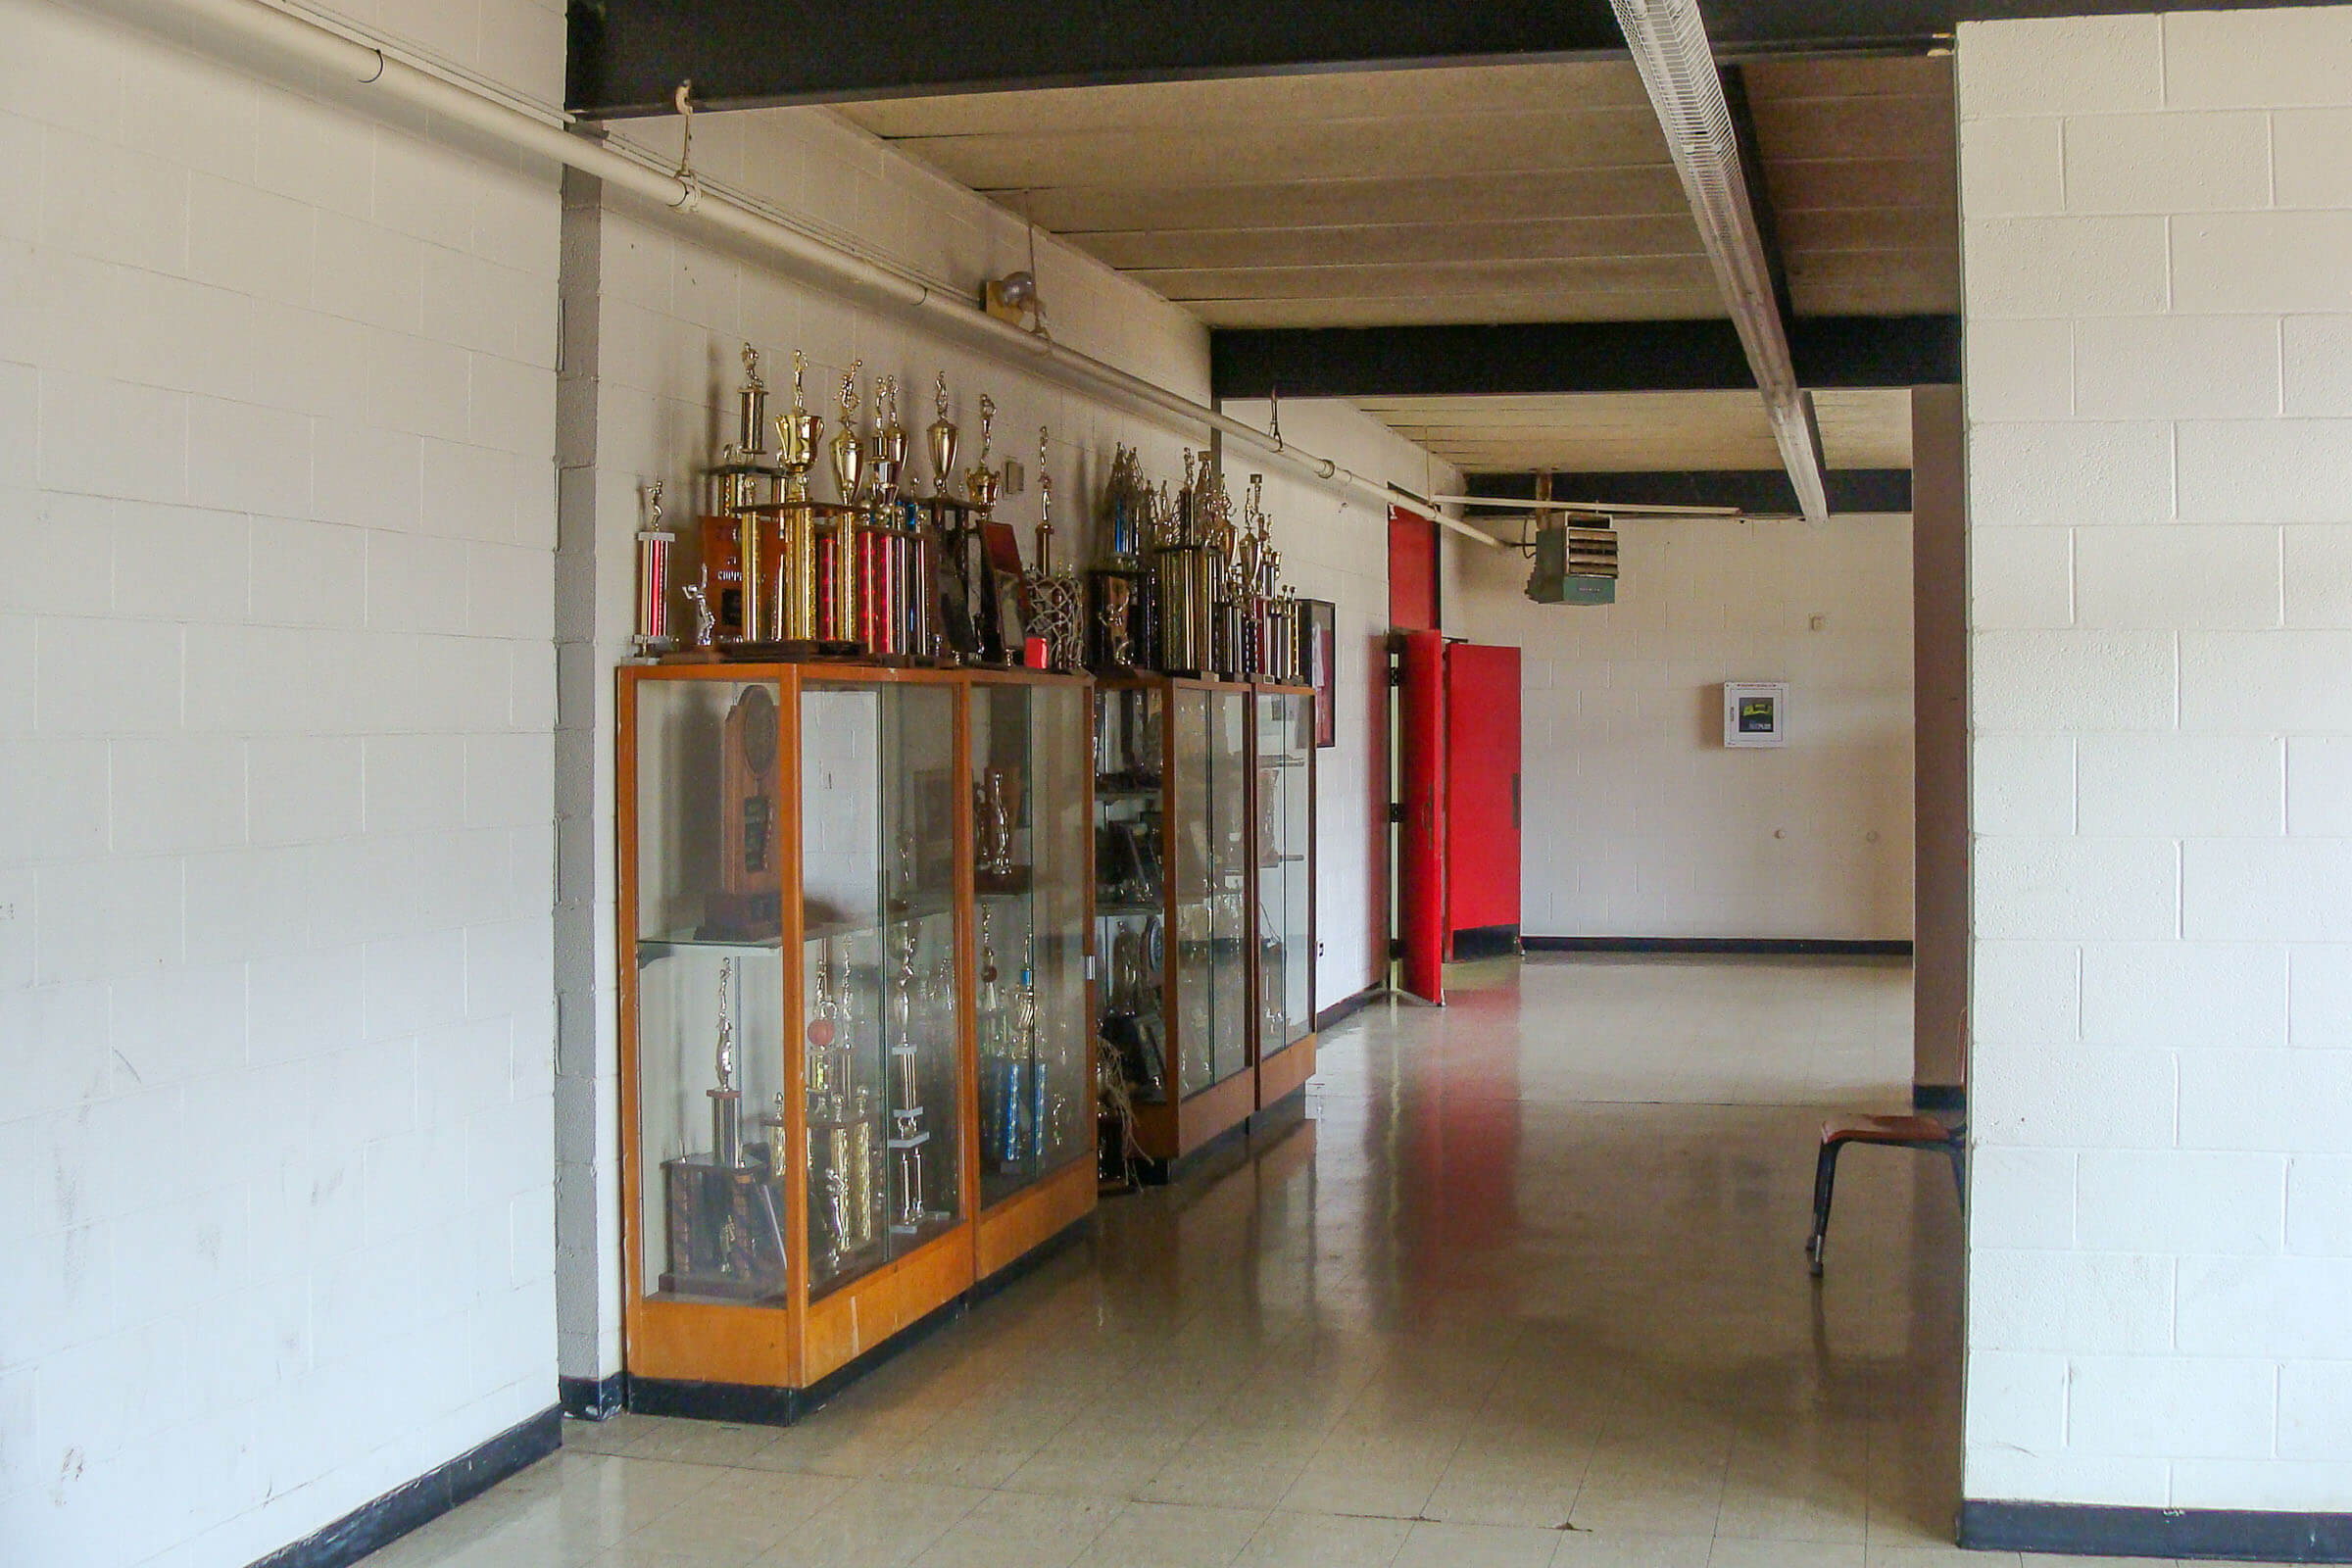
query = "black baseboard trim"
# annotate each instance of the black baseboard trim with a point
(1348, 1008)
(375, 1524)
(750, 1404)
(593, 1398)
(1780, 947)
(1079, 1230)
(2223, 1534)
(1940, 1097)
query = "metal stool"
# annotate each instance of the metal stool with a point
(1894, 1132)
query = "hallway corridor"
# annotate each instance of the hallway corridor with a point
(1528, 1288)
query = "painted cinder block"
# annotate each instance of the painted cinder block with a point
(2022, 1198)
(2177, 575)
(2268, 1306)
(2180, 785)
(2022, 578)
(2012, 167)
(2174, 1200)
(2080, 1304)
(2204, 995)
(2262, 262)
(2056, 681)
(2264, 59)
(2175, 367)
(2164, 1407)
(2060, 68)
(2069, 267)
(2167, 163)
(2069, 475)
(2284, 1102)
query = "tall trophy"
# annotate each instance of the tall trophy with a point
(1054, 605)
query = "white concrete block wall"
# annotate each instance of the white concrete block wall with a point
(2159, 342)
(1669, 832)
(1338, 549)
(276, 697)
(671, 316)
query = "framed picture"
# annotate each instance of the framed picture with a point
(1755, 713)
(1322, 644)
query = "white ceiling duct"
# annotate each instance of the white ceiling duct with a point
(1670, 49)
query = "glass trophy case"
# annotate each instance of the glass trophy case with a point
(1283, 811)
(1032, 880)
(1172, 906)
(802, 1164)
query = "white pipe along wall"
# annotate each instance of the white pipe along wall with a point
(369, 66)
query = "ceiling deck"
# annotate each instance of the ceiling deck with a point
(1497, 193)
(1597, 432)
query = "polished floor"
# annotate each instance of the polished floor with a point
(1527, 1289)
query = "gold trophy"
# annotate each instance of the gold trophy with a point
(796, 577)
(942, 436)
(838, 622)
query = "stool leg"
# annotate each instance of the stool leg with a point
(1959, 1171)
(1824, 1180)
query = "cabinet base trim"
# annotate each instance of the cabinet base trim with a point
(406, 1507)
(2085, 1529)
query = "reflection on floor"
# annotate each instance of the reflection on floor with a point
(1530, 1290)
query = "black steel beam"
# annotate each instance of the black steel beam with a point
(1757, 490)
(1759, 195)
(628, 55)
(1357, 361)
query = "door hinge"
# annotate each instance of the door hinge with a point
(1395, 675)
(1397, 812)
(1395, 947)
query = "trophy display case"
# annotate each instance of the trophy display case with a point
(1282, 809)
(1032, 877)
(803, 1169)
(1171, 905)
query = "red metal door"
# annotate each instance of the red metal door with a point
(1421, 838)
(1482, 795)
(1412, 572)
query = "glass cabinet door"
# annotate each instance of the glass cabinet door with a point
(881, 1071)
(1208, 796)
(1285, 739)
(1130, 886)
(1230, 946)
(1029, 877)
(710, 991)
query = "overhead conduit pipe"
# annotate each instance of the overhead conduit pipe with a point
(296, 38)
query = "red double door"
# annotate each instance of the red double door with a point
(1457, 730)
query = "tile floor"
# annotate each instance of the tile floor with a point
(1528, 1288)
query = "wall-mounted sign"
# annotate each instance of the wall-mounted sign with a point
(1755, 713)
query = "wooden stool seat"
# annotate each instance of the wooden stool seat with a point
(1892, 1132)
(1899, 1130)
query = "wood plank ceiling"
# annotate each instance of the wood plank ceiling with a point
(1502, 193)
(1486, 194)
(1605, 432)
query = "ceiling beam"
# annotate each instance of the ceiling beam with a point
(1762, 491)
(628, 57)
(1759, 195)
(1568, 357)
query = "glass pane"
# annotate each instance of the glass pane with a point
(925, 1050)
(1004, 881)
(710, 990)
(1191, 797)
(1130, 885)
(1060, 837)
(1230, 946)
(878, 870)
(843, 975)
(1285, 870)
(1030, 844)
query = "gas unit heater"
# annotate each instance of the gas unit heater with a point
(1573, 566)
